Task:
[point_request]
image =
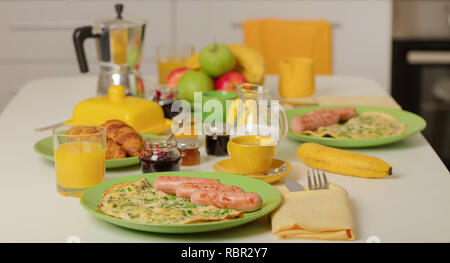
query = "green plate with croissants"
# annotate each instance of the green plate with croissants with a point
(44, 147)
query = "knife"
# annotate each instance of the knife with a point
(50, 126)
(293, 186)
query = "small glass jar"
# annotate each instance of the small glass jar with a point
(165, 96)
(159, 155)
(190, 151)
(216, 139)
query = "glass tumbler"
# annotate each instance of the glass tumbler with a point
(80, 158)
(171, 57)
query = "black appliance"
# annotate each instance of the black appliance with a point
(421, 84)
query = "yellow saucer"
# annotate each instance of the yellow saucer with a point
(226, 166)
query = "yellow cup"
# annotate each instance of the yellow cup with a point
(251, 153)
(297, 78)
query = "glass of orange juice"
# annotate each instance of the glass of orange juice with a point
(171, 57)
(80, 157)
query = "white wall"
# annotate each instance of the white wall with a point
(36, 36)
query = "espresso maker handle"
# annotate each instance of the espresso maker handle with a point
(79, 35)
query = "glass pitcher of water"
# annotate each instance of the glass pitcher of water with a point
(256, 113)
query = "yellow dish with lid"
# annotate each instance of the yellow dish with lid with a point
(141, 114)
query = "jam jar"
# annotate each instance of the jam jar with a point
(216, 139)
(165, 96)
(190, 151)
(159, 155)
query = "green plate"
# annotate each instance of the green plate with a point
(271, 198)
(44, 147)
(413, 122)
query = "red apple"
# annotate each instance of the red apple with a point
(175, 76)
(229, 81)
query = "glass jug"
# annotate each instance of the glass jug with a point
(255, 113)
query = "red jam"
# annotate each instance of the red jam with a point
(160, 156)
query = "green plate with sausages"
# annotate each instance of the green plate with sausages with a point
(270, 196)
(414, 124)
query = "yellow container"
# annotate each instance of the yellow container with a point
(297, 78)
(141, 114)
(251, 153)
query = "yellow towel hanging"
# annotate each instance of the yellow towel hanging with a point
(280, 39)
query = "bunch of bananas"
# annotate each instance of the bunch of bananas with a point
(248, 62)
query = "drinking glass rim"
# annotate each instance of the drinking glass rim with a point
(261, 137)
(174, 48)
(57, 130)
(257, 93)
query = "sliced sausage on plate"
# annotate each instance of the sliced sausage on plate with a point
(241, 201)
(321, 118)
(168, 184)
(186, 189)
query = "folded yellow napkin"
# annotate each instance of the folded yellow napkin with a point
(278, 39)
(323, 214)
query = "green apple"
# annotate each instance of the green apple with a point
(216, 59)
(193, 81)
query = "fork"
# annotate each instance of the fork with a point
(318, 184)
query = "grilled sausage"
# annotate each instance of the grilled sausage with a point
(186, 189)
(241, 201)
(168, 184)
(345, 113)
(321, 118)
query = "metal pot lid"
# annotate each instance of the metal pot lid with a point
(119, 21)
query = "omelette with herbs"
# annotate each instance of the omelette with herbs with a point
(369, 124)
(140, 202)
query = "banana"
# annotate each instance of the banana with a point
(193, 62)
(248, 62)
(249, 108)
(342, 162)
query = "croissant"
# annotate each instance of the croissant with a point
(125, 136)
(114, 151)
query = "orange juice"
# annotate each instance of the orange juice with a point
(167, 64)
(79, 165)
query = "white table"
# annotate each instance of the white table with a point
(413, 205)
